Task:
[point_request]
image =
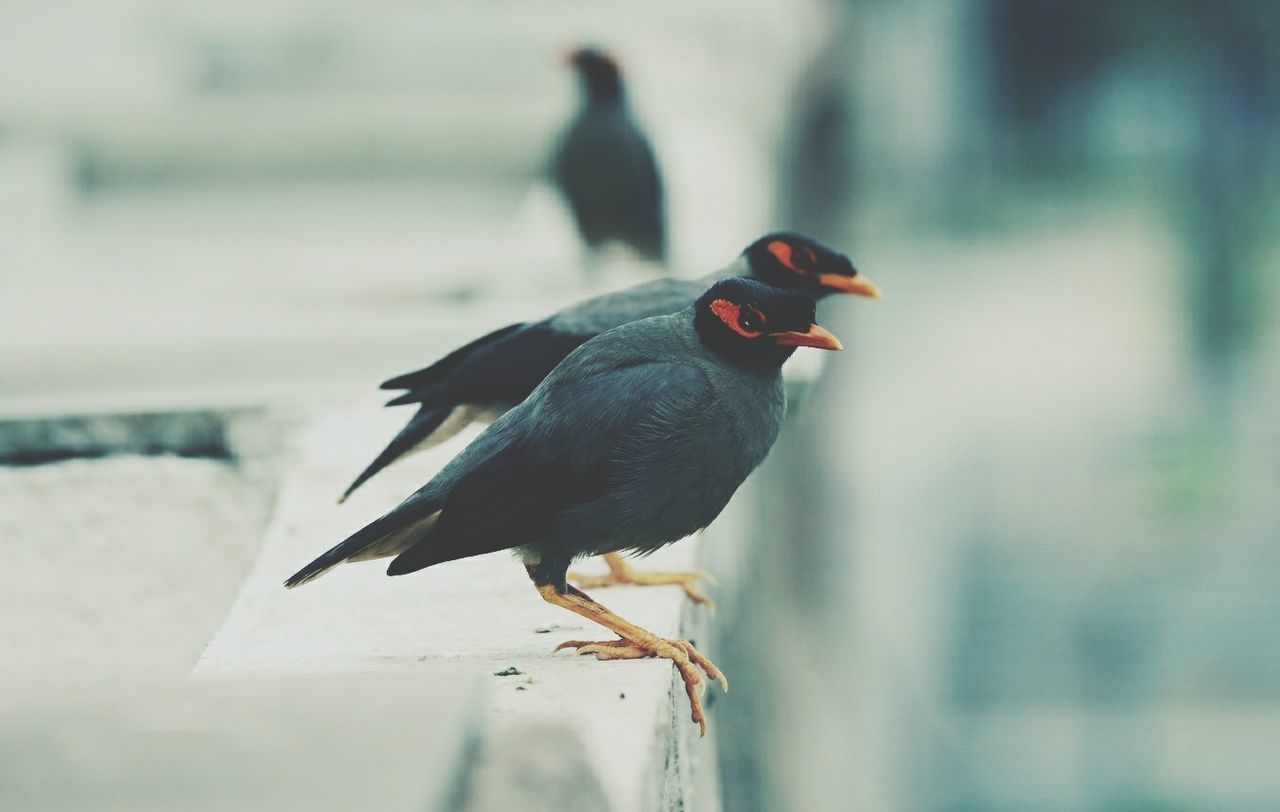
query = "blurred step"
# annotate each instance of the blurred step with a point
(316, 745)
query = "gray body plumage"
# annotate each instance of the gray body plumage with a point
(682, 432)
(607, 172)
(637, 439)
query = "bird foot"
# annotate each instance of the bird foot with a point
(622, 573)
(681, 653)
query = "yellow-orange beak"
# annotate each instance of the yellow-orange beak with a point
(857, 285)
(815, 337)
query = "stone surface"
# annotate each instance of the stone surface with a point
(536, 766)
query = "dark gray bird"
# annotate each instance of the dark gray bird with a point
(636, 440)
(605, 167)
(495, 372)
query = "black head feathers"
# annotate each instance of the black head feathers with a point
(753, 324)
(601, 79)
(792, 260)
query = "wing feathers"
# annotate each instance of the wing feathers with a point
(437, 371)
(413, 519)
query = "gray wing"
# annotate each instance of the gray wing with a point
(562, 450)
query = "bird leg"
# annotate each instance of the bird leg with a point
(620, 572)
(636, 643)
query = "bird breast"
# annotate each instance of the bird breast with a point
(683, 483)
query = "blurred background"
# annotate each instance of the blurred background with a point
(1018, 548)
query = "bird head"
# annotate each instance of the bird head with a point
(753, 324)
(796, 262)
(601, 79)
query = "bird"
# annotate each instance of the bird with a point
(604, 166)
(484, 378)
(636, 440)
(481, 380)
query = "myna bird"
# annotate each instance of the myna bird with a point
(604, 166)
(490, 375)
(495, 372)
(636, 440)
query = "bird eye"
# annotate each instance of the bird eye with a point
(751, 321)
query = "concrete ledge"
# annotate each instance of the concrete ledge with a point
(625, 724)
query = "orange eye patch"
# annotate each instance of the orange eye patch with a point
(787, 255)
(782, 251)
(747, 322)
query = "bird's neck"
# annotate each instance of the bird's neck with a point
(603, 90)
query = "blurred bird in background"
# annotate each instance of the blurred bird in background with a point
(605, 169)
(491, 374)
(639, 438)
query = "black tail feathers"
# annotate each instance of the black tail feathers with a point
(423, 424)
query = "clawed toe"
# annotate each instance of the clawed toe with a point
(704, 663)
(682, 654)
(696, 595)
(635, 643)
(621, 573)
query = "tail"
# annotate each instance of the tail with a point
(419, 428)
(389, 535)
(422, 395)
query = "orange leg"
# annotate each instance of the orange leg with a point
(620, 572)
(637, 643)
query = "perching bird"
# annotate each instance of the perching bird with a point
(604, 166)
(493, 373)
(636, 440)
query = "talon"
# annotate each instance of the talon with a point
(636, 643)
(700, 598)
(703, 662)
(690, 662)
(620, 572)
(695, 707)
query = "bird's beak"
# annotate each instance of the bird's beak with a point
(815, 337)
(857, 285)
